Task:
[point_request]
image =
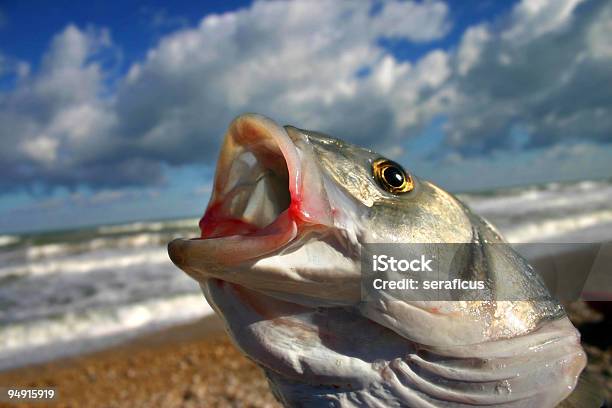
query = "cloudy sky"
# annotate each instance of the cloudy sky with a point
(111, 112)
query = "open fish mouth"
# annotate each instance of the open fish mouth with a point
(258, 203)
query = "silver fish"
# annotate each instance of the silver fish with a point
(279, 261)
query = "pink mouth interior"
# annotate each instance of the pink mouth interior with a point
(264, 192)
(256, 199)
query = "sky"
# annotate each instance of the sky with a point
(114, 111)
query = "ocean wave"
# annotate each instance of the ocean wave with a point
(544, 230)
(88, 262)
(580, 197)
(65, 291)
(547, 213)
(73, 333)
(6, 240)
(50, 251)
(534, 189)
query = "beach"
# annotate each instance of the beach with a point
(190, 365)
(195, 365)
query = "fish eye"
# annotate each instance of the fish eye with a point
(392, 177)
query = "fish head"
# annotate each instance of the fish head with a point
(280, 259)
(273, 222)
(290, 210)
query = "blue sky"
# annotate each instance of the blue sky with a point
(114, 111)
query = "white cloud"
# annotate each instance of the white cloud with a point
(539, 69)
(599, 35)
(57, 122)
(406, 20)
(534, 73)
(42, 149)
(388, 72)
(433, 70)
(290, 60)
(79, 122)
(534, 18)
(471, 47)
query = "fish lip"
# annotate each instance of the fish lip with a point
(263, 137)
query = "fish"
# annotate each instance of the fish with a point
(279, 259)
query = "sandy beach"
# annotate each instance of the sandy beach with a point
(192, 365)
(196, 365)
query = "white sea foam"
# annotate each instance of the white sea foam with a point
(88, 262)
(573, 198)
(559, 227)
(8, 240)
(45, 251)
(72, 291)
(551, 213)
(56, 250)
(40, 340)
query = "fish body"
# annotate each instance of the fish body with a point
(279, 259)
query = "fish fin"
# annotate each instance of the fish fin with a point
(588, 393)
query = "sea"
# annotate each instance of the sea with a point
(74, 291)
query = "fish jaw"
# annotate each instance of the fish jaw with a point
(269, 194)
(304, 354)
